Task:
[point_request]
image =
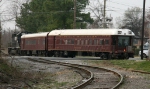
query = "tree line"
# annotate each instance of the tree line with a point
(47, 15)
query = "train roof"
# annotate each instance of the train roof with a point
(65, 32)
(41, 34)
(126, 32)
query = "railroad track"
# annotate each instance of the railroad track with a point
(93, 77)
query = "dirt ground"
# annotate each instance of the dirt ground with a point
(40, 76)
(132, 80)
(61, 77)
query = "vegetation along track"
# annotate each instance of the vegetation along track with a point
(93, 77)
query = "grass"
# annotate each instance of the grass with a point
(8, 73)
(31, 79)
(127, 64)
(5, 68)
(132, 64)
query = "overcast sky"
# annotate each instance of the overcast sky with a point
(115, 8)
(119, 6)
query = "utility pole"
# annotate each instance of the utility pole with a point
(74, 22)
(104, 18)
(143, 30)
(0, 38)
(0, 34)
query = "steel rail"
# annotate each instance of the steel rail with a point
(79, 86)
(92, 75)
(116, 73)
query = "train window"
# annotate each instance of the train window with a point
(123, 41)
(31, 42)
(106, 41)
(86, 42)
(26, 42)
(72, 41)
(82, 42)
(90, 42)
(78, 42)
(101, 42)
(95, 42)
(66, 41)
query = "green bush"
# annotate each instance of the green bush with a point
(136, 51)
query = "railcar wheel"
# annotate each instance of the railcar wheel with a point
(121, 56)
(103, 56)
(37, 53)
(109, 56)
(56, 54)
(50, 53)
(30, 53)
(126, 56)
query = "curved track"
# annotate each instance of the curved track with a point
(86, 74)
(94, 77)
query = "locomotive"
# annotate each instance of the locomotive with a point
(103, 43)
(14, 46)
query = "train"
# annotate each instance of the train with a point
(103, 43)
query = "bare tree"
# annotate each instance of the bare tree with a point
(6, 37)
(8, 13)
(96, 9)
(132, 20)
(14, 6)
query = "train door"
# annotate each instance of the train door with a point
(46, 42)
(114, 43)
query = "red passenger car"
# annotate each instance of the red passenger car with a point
(34, 43)
(105, 43)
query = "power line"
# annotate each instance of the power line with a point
(121, 4)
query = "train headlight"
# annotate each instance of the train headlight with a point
(124, 50)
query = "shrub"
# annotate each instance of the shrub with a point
(136, 51)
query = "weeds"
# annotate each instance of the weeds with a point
(13, 76)
(127, 64)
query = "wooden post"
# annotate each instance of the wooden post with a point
(143, 30)
(0, 34)
(74, 22)
(104, 18)
(0, 38)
